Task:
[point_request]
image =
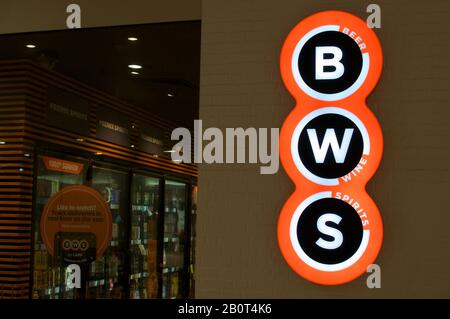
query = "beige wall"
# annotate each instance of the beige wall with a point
(237, 248)
(39, 15)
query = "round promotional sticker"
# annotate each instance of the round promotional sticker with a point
(76, 224)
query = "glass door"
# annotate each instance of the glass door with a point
(194, 194)
(54, 172)
(107, 275)
(174, 239)
(143, 279)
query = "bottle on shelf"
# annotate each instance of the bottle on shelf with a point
(138, 195)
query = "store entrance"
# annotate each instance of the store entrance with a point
(148, 253)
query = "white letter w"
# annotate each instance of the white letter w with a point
(320, 151)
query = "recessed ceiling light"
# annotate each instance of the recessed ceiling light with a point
(170, 94)
(30, 46)
(134, 72)
(155, 155)
(135, 66)
(132, 39)
(98, 153)
(21, 169)
(2, 142)
(132, 146)
(80, 139)
(27, 154)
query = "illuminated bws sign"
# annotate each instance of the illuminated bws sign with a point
(330, 230)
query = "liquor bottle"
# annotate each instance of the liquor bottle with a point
(165, 286)
(137, 292)
(167, 221)
(146, 199)
(144, 293)
(115, 266)
(132, 289)
(138, 195)
(152, 203)
(174, 286)
(57, 277)
(175, 222)
(92, 269)
(136, 259)
(144, 225)
(116, 226)
(152, 226)
(50, 278)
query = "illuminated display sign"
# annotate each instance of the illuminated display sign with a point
(330, 230)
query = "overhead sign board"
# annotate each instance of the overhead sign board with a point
(68, 111)
(113, 127)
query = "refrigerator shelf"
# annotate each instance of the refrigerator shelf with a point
(171, 239)
(170, 269)
(139, 275)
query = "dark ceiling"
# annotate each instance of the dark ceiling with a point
(99, 57)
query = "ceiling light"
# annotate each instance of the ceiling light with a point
(132, 145)
(134, 72)
(132, 39)
(2, 142)
(135, 66)
(21, 169)
(170, 94)
(30, 46)
(155, 155)
(80, 139)
(27, 154)
(98, 153)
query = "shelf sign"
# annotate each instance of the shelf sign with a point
(330, 230)
(60, 165)
(76, 225)
(113, 127)
(67, 111)
(151, 140)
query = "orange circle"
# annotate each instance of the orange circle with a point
(73, 200)
(322, 277)
(373, 159)
(343, 20)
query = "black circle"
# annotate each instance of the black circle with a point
(351, 60)
(66, 244)
(84, 244)
(350, 226)
(330, 168)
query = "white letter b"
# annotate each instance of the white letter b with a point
(321, 63)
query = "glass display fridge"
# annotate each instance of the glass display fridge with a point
(145, 203)
(107, 274)
(149, 254)
(193, 235)
(173, 266)
(49, 275)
